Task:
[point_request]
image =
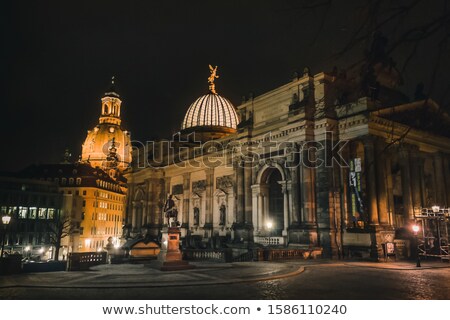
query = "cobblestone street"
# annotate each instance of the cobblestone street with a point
(288, 280)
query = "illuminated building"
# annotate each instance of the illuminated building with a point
(97, 202)
(33, 207)
(98, 141)
(93, 188)
(288, 173)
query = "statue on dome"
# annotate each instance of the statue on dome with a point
(211, 79)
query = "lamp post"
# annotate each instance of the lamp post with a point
(269, 227)
(416, 229)
(5, 221)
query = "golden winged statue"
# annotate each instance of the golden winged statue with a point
(212, 77)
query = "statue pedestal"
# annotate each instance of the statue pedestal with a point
(170, 257)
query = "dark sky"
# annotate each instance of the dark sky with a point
(57, 59)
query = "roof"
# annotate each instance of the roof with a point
(89, 175)
(211, 110)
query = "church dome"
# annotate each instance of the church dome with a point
(211, 110)
(96, 147)
(108, 134)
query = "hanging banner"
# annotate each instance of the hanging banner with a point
(356, 203)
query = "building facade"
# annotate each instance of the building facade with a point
(315, 163)
(35, 208)
(96, 203)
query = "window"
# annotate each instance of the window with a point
(81, 231)
(71, 180)
(78, 181)
(84, 203)
(63, 181)
(82, 215)
(33, 211)
(51, 213)
(42, 213)
(84, 192)
(77, 192)
(23, 212)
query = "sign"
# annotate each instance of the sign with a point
(355, 198)
(390, 248)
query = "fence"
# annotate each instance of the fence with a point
(85, 260)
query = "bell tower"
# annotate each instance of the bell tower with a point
(111, 106)
(108, 139)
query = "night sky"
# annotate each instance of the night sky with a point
(57, 58)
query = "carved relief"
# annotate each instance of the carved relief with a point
(177, 189)
(225, 182)
(199, 186)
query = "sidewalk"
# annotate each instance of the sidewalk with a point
(142, 276)
(400, 265)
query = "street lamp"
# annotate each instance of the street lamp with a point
(269, 227)
(415, 229)
(5, 221)
(435, 209)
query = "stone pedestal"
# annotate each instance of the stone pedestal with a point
(170, 257)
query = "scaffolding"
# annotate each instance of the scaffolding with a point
(434, 239)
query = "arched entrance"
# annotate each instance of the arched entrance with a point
(270, 202)
(276, 210)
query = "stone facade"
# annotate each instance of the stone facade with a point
(337, 175)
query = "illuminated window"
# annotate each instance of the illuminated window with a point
(23, 212)
(42, 213)
(33, 211)
(51, 213)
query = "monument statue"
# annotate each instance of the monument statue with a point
(196, 216)
(223, 211)
(170, 210)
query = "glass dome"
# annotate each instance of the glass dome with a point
(211, 110)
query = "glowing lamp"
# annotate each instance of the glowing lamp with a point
(415, 229)
(435, 209)
(6, 220)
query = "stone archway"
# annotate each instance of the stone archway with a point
(270, 201)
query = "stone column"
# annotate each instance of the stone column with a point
(285, 207)
(369, 163)
(186, 196)
(406, 183)
(439, 174)
(256, 205)
(381, 184)
(209, 198)
(416, 178)
(295, 202)
(158, 202)
(390, 186)
(447, 179)
(239, 191)
(150, 200)
(248, 192)
(307, 191)
(134, 216)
